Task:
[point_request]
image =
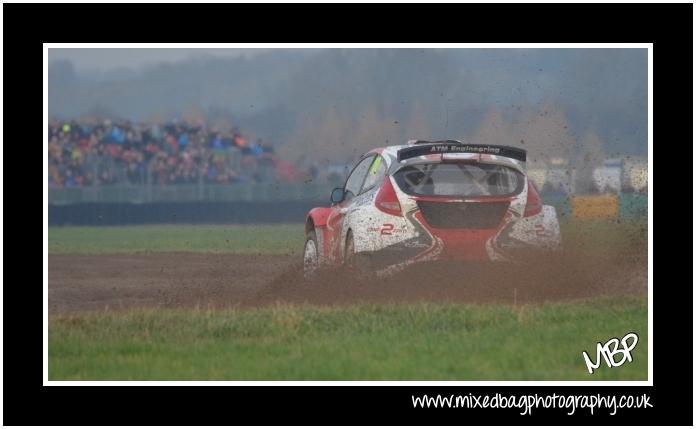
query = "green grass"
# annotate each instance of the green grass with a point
(246, 239)
(407, 342)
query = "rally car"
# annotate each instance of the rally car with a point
(428, 201)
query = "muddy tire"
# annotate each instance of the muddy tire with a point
(310, 264)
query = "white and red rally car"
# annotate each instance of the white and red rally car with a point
(425, 201)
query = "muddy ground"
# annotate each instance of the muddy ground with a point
(174, 280)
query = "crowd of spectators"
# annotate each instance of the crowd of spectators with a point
(106, 152)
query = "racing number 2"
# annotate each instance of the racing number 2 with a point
(387, 229)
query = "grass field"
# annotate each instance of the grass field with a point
(269, 239)
(265, 239)
(362, 342)
(410, 342)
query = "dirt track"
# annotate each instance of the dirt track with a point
(170, 280)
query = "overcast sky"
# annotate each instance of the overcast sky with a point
(102, 59)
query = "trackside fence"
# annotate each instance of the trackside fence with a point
(261, 203)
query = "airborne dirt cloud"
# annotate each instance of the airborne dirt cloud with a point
(590, 266)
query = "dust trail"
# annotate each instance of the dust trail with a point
(591, 265)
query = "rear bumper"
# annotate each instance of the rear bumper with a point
(396, 258)
(518, 241)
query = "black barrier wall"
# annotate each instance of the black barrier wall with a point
(185, 212)
(625, 206)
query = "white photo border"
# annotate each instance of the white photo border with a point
(648, 46)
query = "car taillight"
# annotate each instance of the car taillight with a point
(534, 203)
(386, 199)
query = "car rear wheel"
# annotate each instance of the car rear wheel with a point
(311, 256)
(349, 254)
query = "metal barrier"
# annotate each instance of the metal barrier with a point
(241, 212)
(142, 194)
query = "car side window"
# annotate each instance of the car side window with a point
(356, 178)
(375, 174)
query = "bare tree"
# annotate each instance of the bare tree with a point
(374, 130)
(544, 133)
(494, 130)
(590, 157)
(417, 125)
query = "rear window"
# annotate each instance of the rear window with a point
(459, 180)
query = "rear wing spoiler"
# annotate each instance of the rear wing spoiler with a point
(423, 149)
